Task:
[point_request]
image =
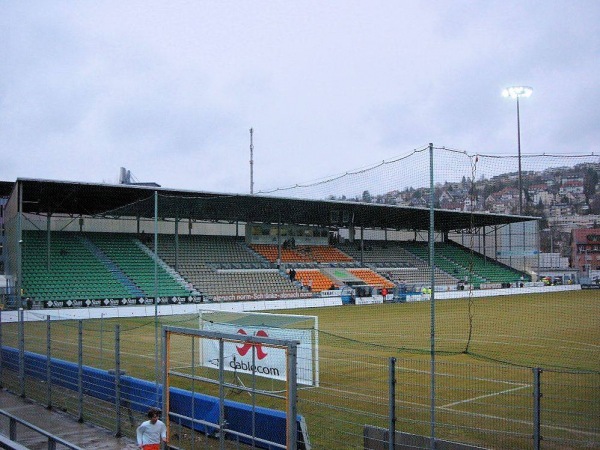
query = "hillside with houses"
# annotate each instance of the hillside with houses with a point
(566, 198)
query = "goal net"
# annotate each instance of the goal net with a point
(253, 358)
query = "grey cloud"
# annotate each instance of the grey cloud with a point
(171, 90)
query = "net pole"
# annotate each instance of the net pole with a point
(221, 394)
(118, 432)
(292, 428)
(392, 403)
(166, 400)
(156, 369)
(48, 363)
(432, 294)
(19, 257)
(2, 362)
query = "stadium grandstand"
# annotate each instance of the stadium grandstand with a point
(81, 244)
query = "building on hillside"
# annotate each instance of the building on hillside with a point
(585, 249)
(567, 222)
(561, 210)
(553, 261)
(542, 196)
(554, 269)
(574, 186)
(2, 239)
(445, 196)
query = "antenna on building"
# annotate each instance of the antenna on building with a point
(251, 163)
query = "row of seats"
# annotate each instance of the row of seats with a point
(200, 258)
(214, 284)
(138, 265)
(484, 267)
(371, 278)
(76, 270)
(64, 269)
(388, 255)
(213, 249)
(271, 253)
(97, 265)
(420, 276)
(325, 254)
(314, 280)
(459, 273)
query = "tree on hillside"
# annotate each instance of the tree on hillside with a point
(595, 204)
(590, 180)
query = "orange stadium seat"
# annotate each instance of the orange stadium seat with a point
(325, 254)
(371, 278)
(287, 255)
(320, 282)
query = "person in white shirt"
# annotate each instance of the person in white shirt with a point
(152, 432)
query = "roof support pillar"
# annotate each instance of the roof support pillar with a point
(48, 240)
(176, 244)
(362, 245)
(496, 242)
(484, 247)
(279, 242)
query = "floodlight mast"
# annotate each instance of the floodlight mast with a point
(251, 163)
(516, 92)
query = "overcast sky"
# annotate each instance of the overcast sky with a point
(170, 89)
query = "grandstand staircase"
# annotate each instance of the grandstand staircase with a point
(176, 276)
(341, 276)
(487, 268)
(112, 267)
(260, 257)
(138, 266)
(446, 265)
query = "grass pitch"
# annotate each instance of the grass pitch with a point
(486, 351)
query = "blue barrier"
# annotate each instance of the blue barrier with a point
(139, 395)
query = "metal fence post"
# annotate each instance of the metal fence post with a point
(118, 380)
(193, 406)
(221, 395)
(166, 397)
(1, 349)
(21, 353)
(292, 438)
(12, 429)
(537, 396)
(48, 365)
(392, 387)
(80, 373)
(101, 338)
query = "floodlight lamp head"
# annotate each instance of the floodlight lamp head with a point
(517, 91)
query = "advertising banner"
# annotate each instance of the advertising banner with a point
(267, 362)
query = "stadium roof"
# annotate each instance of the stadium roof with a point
(89, 199)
